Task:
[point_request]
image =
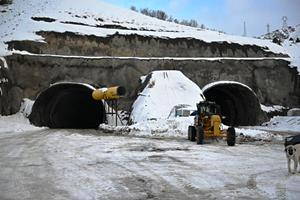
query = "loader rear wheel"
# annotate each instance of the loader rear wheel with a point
(199, 135)
(191, 132)
(231, 136)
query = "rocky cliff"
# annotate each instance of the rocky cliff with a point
(135, 45)
(272, 80)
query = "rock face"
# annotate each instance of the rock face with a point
(134, 45)
(123, 59)
(272, 80)
(6, 92)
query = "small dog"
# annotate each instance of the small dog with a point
(292, 148)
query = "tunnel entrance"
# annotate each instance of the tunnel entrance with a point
(67, 105)
(239, 104)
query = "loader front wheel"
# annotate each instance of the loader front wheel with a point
(199, 135)
(191, 131)
(231, 136)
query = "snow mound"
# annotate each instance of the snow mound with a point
(26, 107)
(274, 108)
(283, 123)
(16, 123)
(21, 21)
(164, 91)
(294, 112)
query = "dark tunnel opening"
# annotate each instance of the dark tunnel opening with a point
(239, 104)
(67, 105)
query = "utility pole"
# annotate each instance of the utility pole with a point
(284, 23)
(245, 30)
(268, 32)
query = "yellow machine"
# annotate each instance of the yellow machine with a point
(207, 124)
(110, 93)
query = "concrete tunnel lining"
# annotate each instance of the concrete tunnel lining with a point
(239, 104)
(67, 105)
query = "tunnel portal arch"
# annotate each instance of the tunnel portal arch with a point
(239, 104)
(67, 105)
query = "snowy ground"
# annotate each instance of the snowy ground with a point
(39, 163)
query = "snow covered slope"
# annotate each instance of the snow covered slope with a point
(290, 41)
(164, 90)
(22, 19)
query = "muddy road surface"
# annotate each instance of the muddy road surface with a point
(87, 164)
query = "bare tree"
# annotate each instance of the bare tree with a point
(170, 19)
(145, 11)
(133, 8)
(161, 15)
(193, 23)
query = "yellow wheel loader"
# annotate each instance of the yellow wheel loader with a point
(208, 124)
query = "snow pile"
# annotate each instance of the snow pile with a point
(16, 123)
(294, 112)
(283, 123)
(164, 90)
(176, 127)
(26, 107)
(164, 128)
(22, 20)
(274, 108)
(252, 134)
(19, 121)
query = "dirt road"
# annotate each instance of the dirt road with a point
(86, 164)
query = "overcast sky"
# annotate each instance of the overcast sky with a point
(226, 15)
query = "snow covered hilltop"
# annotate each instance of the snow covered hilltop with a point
(93, 42)
(102, 29)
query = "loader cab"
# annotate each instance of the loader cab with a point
(208, 108)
